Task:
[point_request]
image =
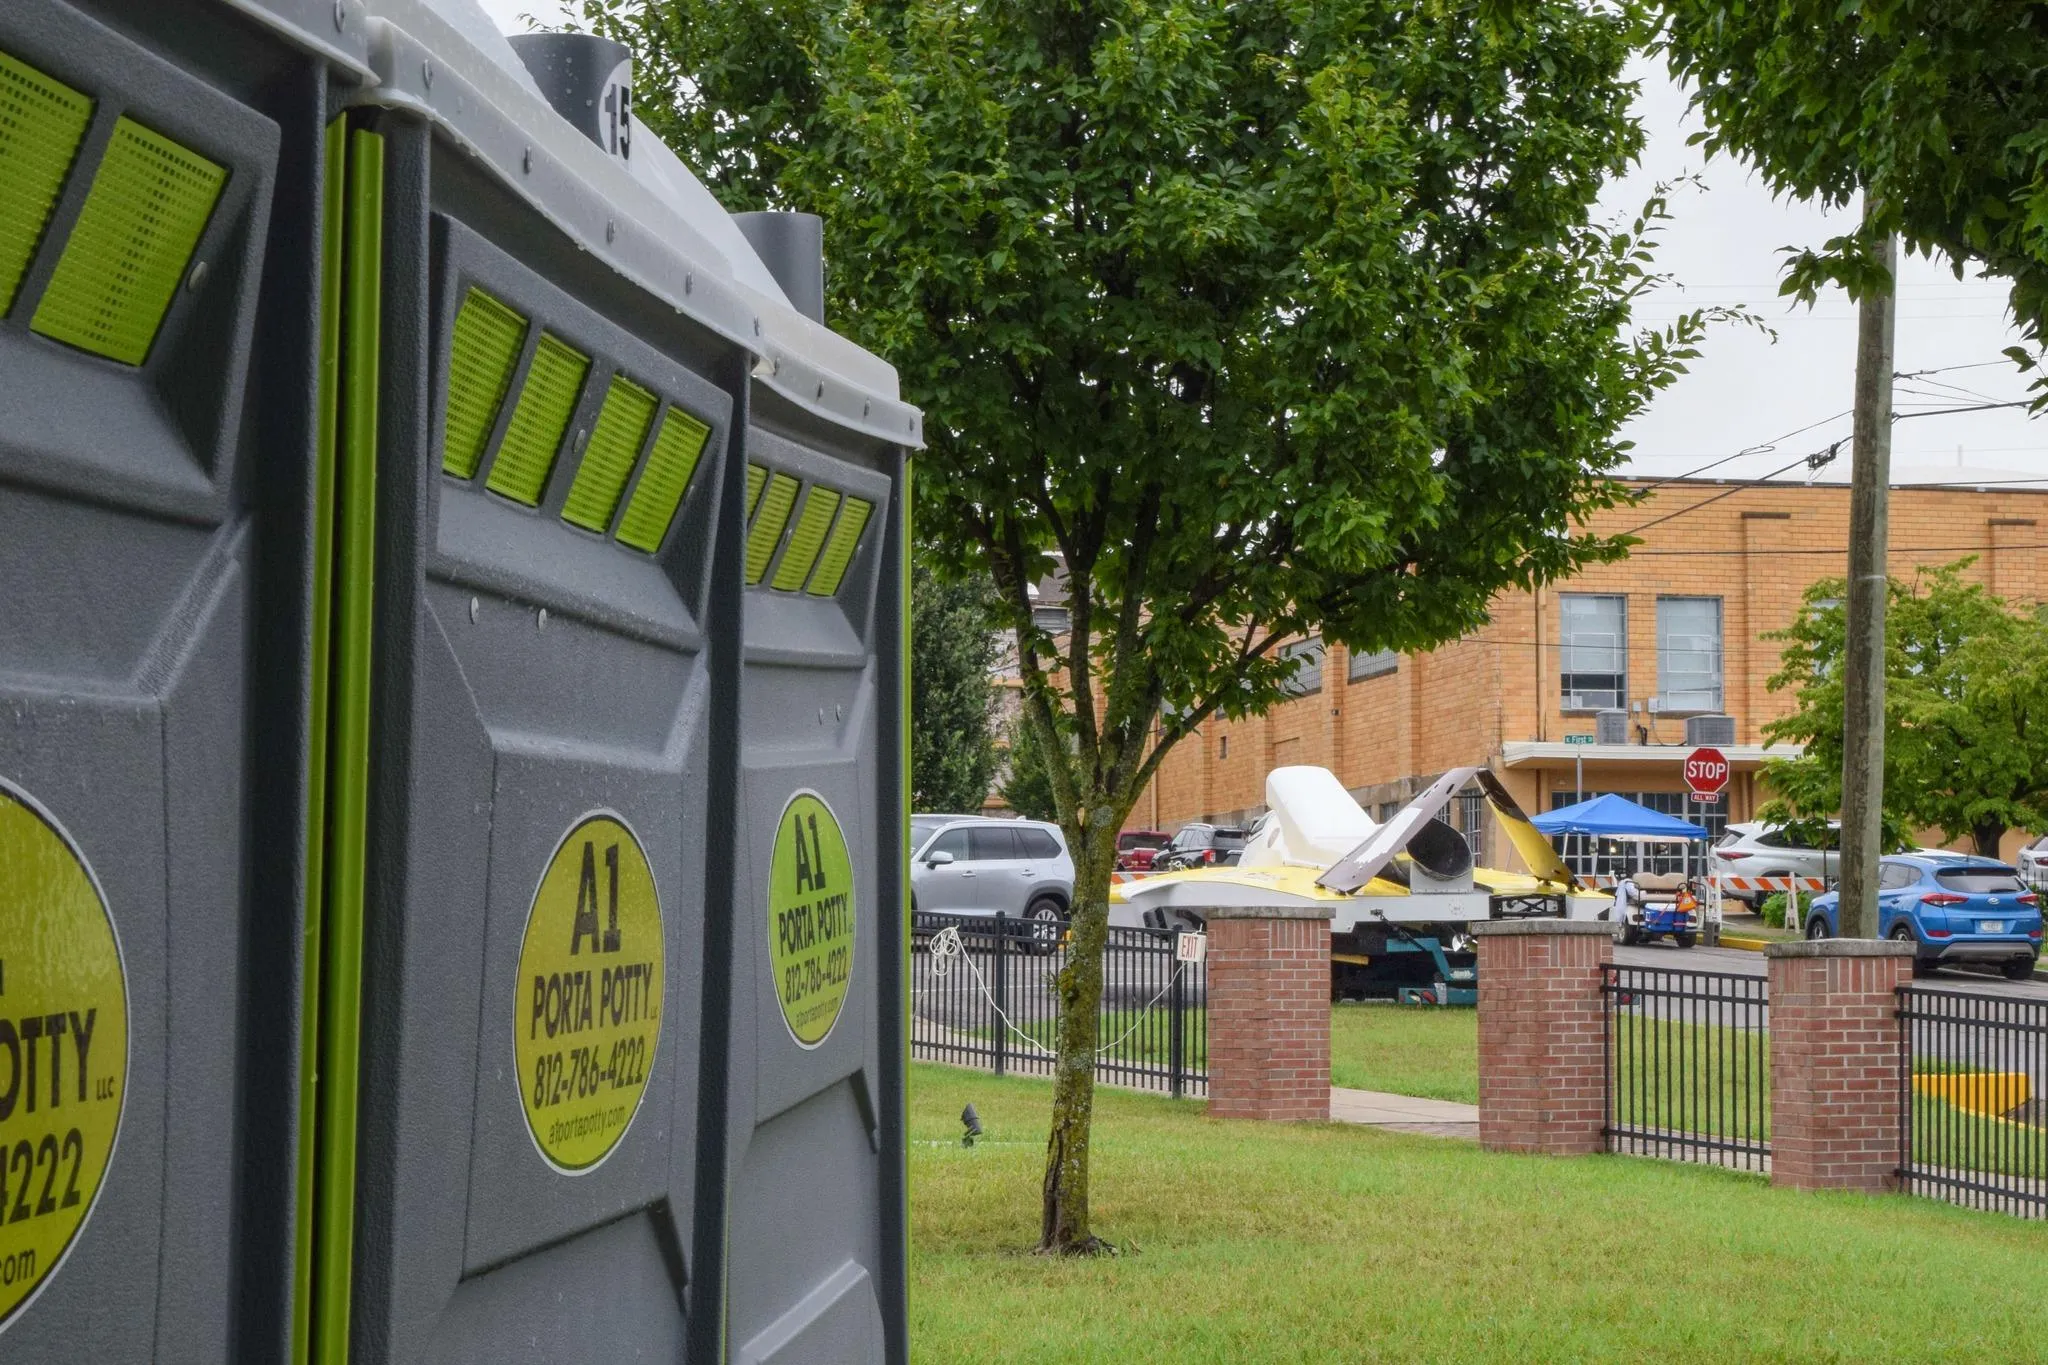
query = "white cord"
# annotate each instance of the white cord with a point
(946, 945)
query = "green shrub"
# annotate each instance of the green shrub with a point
(1773, 910)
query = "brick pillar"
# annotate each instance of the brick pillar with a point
(1835, 1062)
(1542, 1067)
(1269, 1012)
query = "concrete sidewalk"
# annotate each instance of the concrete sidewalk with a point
(1404, 1113)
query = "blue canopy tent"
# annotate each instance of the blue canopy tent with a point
(1617, 817)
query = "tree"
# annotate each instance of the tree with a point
(1933, 110)
(1028, 786)
(1966, 688)
(1264, 317)
(952, 702)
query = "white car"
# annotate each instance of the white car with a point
(2033, 863)
(1758, 850)
(975, 865)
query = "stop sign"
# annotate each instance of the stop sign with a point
(1706, 772)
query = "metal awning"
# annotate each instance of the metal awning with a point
(1552, 753)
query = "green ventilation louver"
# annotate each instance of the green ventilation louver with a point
(41, 124)
(806, 540)
(547, 400)
(774, 515)
(831, 572)
(670, 464)
(488, 338)
(757, 479)
(608, 462)
(122, 264)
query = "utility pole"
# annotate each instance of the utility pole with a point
(1863, 663)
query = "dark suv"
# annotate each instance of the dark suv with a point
(1202, 846)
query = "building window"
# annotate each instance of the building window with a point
(1377, 664)
(1689, 653)
(1308, 674)
(1222, 747)
(1472, 823)
(1388, 810)
(1593, 665)
(1052, 620)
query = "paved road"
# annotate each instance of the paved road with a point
(2022, 1049)
(1742, 962)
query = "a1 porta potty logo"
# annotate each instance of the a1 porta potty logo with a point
(63, 1046)
(810, 918)
(587, 1013)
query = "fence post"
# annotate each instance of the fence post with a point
(1836, 1099)
(1002, 1029)
(1176, 1047)
(1269, 1011)
(1542, 1036)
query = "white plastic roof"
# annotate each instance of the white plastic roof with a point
(649, 217)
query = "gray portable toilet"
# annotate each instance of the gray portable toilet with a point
(373, 546)
(573, 339)
(160, 210)
(815, 1208)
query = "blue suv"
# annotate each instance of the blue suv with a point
(1953, 908)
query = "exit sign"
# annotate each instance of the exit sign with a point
(1578, 739)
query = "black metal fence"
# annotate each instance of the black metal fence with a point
(984, 993)
(1688, 1065)
(1973, 1121)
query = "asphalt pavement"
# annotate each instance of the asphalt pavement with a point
(1743, 962)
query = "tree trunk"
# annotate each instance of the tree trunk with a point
(1987, 837)
(1065, 1229)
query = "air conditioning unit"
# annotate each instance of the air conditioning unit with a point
(1715, 730)
(1610, 727)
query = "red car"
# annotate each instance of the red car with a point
(1137, 848)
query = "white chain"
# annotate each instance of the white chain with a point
(946, 945)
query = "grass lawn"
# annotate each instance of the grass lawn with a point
(1287, 1243)
(1429, 1051)
(1136, 1036)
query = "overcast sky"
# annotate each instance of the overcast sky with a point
(1748, 390)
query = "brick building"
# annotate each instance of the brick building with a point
(1669, 633)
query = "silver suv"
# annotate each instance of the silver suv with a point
(974, 865)
(1757, 850)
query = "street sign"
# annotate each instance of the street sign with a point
(1578, 739)
(1706, 772)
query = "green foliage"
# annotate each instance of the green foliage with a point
(952, 702)
(1027, 786)
(1934, 110)
(1264, 318)
(1772, 910)
(1966, 712)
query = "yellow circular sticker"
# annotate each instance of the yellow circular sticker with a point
(810, 918)
(63, 1046)
(588, 1016)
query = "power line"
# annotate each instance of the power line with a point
(1949, 369)
(1746, 484)
(1762, 448)
(1974, 407)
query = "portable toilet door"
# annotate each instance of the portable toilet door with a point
(550, 446)
(161, 685)
(552, 344)
(814, 1233)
